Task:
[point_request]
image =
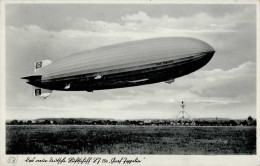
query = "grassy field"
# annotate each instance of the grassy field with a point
(55, 139)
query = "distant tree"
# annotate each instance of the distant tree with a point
(250, 119)
(14, 122)
(253, 123)
(205, 123)
(20, 122)
(224, 123)
(133, 122)
(197, 123)
(80, 122)
(114, 122)
(167, 122)
(214, 123)
(69, 121)
(108, 122)
(47, 122)
(29, 122)
(232, 123)
(244, 123)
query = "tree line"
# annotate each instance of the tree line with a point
(73, 121)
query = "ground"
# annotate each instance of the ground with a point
(80, 139)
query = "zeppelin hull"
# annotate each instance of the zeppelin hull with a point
(152, 73)
(125, 65)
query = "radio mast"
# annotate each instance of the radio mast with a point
(181, 115)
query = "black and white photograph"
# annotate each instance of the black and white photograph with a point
(128, 79)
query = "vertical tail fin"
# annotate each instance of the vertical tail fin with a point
(40, 64)
(41, 92)
(36, 90)
(36, 79)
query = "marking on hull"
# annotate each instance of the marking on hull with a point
(97, 77)
(67, 86)
(135, 81)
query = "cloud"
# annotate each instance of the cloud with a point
(227, 82)
(138, 17)
(233, 83)
(141, 21)
(236, 26)
(81, 34)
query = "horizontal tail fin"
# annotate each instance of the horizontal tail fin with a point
(32, 78)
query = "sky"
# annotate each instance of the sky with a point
(224, 88)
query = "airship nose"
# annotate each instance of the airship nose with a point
(210, 51)
(208, 54)
(205, 48)
(203, 52)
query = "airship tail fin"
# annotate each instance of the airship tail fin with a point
(41, 92)
(40, 64)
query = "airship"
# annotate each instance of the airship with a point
(127, 64)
